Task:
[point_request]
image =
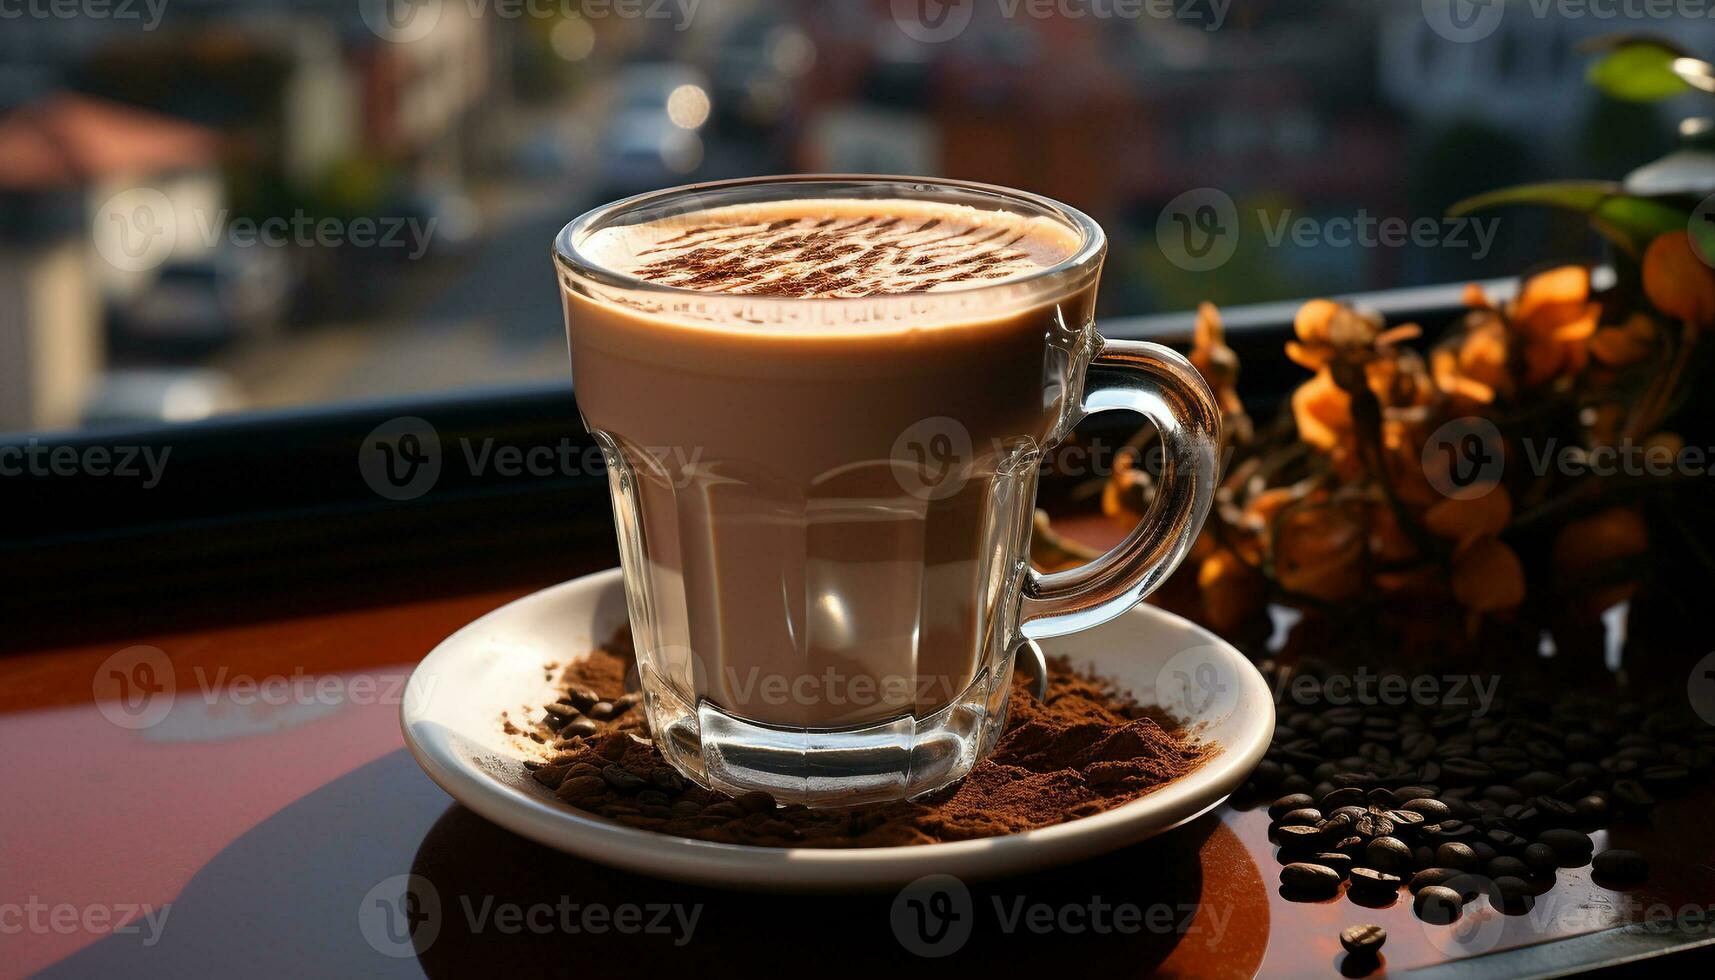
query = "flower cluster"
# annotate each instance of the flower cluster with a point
(1344, 508)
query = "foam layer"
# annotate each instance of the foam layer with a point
(833, 248)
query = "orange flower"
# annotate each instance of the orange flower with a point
(1678, 282)
(1488, 576)
(1323, 411)
(1232, 591)
(1553, 319)
(1466, 520)
(1624, 345)
(1219, 366)
(1319, 551)
(1475, 370)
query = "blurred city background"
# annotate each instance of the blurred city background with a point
(223, 205)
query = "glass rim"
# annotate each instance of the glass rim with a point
(1092, 245)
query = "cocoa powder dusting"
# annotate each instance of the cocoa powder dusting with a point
(1084, 750)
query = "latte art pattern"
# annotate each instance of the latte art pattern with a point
(837, 249)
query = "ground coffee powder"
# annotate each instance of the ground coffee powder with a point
(1083, 750)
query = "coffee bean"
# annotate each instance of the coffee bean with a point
(580, 726)
(1541, 860)
(1415, 792)
(1432, 876)
(581, 698)
(1538, 782)
(1372, 825)
(551, 776)
(1297, 783)
(1468, 771)
(622, 780)
(1504, 866)
(1353, 845)
(1405, 821)
(1593, 810)
(1458, 856)
(1507, 842)
(1297, 836)
(652, 797)
(1313, 879)
(1572, 789)
(581, 788)
(1571, 848)
(1433, 811)
(1389, 854)
(1630, 795)
(755, 801)
(687, 808)
(668, 779)
(1346, 796)
(601, 710)
(1502, 795)
(1350, 813)
(1304, 816)
(1438, 905)
(1364, 940)
(657, 811)
(1620, 865)
(1516, 895)
(1288, 803)
(1382, 798)
(1422, 856)
(1340, 864)
(725, 810)
(1371, 880)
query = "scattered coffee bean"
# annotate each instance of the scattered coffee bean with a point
(1432, 811)
(724, 810)
(1432, 876)
(1516, 896)
(1298, 836)
(1288, 803)
(652, 797)
(1371, 880)
(1457, 856)
(1505, 867)
(1389, 854)
(1348, 796)
(1304, 816)
(1541, 860)
(668, 779)
(1571, 848)
(579, 726)
(622, 780)
(755, 801)
(1312, 879)
(1340, 864)
(1438, 904)
(581, 788)
(1364, 940)
(1620, 865)
(581, 698)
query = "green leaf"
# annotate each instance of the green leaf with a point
(1629, 221)
(1640, 72)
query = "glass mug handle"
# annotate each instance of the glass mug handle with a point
(1163, 387)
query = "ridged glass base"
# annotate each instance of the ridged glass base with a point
(892, 760)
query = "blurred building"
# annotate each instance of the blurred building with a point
(61, 160)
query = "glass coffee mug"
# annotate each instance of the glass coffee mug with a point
(824, 504)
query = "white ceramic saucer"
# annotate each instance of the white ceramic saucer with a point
(451, 717)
